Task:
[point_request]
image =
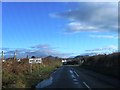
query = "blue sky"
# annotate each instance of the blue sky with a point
(59, 29)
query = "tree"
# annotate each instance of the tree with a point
(33, 57)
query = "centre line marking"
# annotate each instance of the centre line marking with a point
(71, 71)
(86, 85)
(76, 73)
(73, 76)
(75, 79)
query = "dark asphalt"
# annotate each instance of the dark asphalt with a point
(75, 77)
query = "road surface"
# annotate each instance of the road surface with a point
(69, 76)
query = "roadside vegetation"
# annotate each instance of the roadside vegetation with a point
(21, 75)
(105, 64)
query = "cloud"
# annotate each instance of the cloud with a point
(5, 49)
(78, 27)
(41, 46)
(104, 36)
(110, 48)
(98, 17)
(103, 50)
(47, 50)
(41, 50)
(90, 54)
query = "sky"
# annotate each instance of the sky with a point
(62, 29)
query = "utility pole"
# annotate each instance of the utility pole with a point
(2, 55)
(15, 55)
(27, 56)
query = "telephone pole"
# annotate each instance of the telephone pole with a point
(2, 57)
(15, 55)
(27, 56)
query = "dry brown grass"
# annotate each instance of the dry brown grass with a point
(18, 74)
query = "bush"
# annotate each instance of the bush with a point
(106, 64)
(18, 74)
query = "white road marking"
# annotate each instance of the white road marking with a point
(71, 71)
(75, 79)
(86, 85)
(73, 76)
(76, 73)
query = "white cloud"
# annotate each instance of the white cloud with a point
(104, 36)
(40, 50)
(106, 49)
(100, 17)
(113, 47)
(47, 50)
(78, 27)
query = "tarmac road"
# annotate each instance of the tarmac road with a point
(70, 76)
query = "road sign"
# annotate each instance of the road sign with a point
(35, 60)
(64, 60)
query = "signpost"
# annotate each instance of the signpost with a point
(35, 61)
